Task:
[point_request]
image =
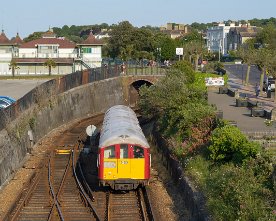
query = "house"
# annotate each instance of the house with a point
(175, 30)
(217, 37)
(6, 52)
(239, 35)
(31, 56)
(90, 51)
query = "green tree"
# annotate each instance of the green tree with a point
(177, 101)
(50, 63)
(33, 36)
(121, 36)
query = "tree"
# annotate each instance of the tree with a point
(13, 66)
(50, 63)
(33, 36)
(248, 55)
(177, 100)
(120, 36)
(263, 61)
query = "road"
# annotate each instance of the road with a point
(18, 88)
(239, 70)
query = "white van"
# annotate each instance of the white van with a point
(270, 81)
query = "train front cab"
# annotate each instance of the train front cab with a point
(124, 166)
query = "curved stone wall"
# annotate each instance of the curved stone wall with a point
(56, 110)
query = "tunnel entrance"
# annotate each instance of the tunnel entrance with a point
(134, 90)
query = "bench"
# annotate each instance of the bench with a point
(232, 92)
(267, 113)
(257, 112)
(241, 102)
(223, 90)
(219, 114)
(251, 103)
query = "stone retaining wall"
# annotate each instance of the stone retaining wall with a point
(194, 200)
(49, 114)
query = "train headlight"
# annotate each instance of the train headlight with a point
(109, 164)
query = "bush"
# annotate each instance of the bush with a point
(229, 144)
(235, 192)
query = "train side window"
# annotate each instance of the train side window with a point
(138, 152)
(123, 151)
(109, 152)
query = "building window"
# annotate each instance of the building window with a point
(87, 50)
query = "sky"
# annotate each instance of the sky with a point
(26, 17)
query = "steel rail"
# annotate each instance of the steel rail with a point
(86, 197)
(55, 196)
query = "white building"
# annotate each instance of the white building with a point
(31, 56)
(217, 38)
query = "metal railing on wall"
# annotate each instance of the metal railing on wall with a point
(57, 86)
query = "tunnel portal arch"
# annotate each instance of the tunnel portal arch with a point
(134, 88)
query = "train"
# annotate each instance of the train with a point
(124, 153)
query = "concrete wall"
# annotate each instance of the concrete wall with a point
(43, 117)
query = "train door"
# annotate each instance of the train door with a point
(123, 162)
(110, 161)
(138, 163)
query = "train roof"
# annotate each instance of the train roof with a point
(121, 125)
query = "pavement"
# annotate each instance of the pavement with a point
(17, 88)
(242, 115)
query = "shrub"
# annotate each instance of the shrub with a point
(234, 193)
(229, 144)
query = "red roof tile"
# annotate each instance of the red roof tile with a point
(3, 39)
(17, 40)
(62, 42)
(91, 40)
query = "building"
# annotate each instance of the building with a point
(7, 49)
(239, 35)
(90, 51)
(217, 38)
(175, 30)
(31, 56)
(103, 34)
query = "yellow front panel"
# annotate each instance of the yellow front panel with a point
(138, 168)
(124, 168)
(110, 169)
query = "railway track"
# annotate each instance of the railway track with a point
(55, 194)
(59, 191)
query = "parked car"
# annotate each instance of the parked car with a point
(6, 101)
(12, 100)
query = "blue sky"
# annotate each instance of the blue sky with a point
(28, 16)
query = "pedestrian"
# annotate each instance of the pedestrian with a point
(265, 87)
(257, 90)
(269, 91)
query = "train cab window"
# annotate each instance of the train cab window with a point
(138, 152)
(123, 151)
(109, 152)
